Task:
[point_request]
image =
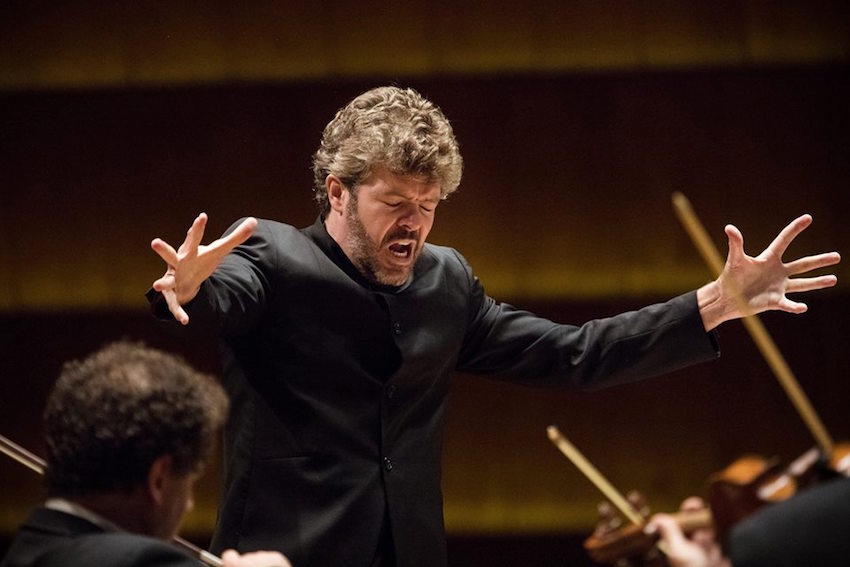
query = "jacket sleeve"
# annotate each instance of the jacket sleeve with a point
(521, 346)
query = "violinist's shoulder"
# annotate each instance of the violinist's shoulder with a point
(809, 528)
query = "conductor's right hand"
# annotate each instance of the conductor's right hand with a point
(192, 263)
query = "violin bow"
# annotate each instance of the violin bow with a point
(600, 551)
(754, 326)
(585, 466)
(37, 464)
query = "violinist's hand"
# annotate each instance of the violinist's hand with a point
(761, 282)
(700, 550)
(231, 558)
(192, 263)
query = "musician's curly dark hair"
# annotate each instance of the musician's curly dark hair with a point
(112, 414)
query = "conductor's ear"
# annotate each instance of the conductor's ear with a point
(337, 193)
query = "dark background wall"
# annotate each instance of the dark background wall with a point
(576, 120)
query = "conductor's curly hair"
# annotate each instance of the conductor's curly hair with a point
(390, 127)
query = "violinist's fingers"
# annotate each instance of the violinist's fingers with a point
(789, 233)
(810, 263)
(703, 538)
(195, 233)
(670, 533)
(651, 527)
(175, 307)
(165, 251)
(809, 284)
(736, 245)
(680, 551)
(692, 504)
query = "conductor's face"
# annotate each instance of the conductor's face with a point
(385, 224)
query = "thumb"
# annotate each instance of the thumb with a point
(230, 558)
(736, 245)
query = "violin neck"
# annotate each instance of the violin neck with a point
(694, 520)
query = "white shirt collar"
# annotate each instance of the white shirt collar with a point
(63, 505)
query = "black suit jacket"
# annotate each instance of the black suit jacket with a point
(50, 538)
(339, 387)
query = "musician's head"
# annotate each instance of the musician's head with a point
(385, 162)
(128, 430)
(390, 128)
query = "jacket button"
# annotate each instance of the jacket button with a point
(397, 328)
(388, 463)
(391, 391)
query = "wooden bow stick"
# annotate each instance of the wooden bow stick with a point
(37, 464)
(753, 324)
(594, 476)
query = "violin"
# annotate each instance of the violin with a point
(741, 489)
(839, 459)
(751, 482)
(616, 543)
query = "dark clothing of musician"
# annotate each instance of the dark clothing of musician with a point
(811, 528)
(53, 538)
(338, 388)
